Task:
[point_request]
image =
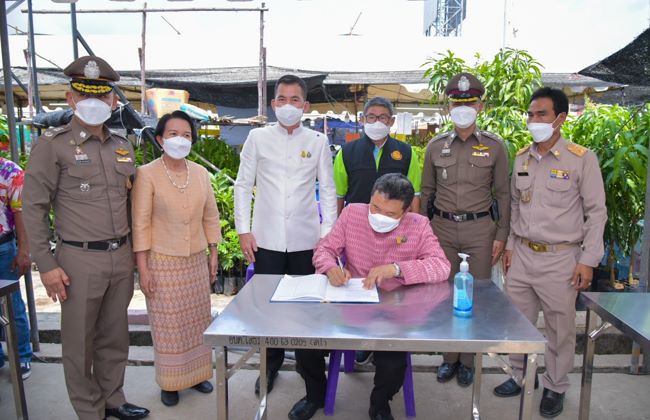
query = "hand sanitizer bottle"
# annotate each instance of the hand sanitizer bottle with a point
(463, 289)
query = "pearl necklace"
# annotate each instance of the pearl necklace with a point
(187, 181)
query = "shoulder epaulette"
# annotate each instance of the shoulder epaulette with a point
(576, 149)
(492, 136)
(52, 132)
(440, 136)
(117, 134)
(523, 150)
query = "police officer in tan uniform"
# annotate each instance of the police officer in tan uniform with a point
(556, 237)
(84, 172)
(465, 187)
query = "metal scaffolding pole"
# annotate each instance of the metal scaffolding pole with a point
(262, 94)
(9, 91)
(32, 55)
(73, 24)
(11, 126)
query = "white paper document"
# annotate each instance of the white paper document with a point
(317, 288)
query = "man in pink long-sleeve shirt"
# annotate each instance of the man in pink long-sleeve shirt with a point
(388, 246)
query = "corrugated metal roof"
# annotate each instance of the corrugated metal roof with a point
(248, 76)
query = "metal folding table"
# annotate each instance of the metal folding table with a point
(416, 318)
(629, 313)
(7, 320)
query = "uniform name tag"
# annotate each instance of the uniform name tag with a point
(83, 157)
(124, 159)
(522, 173)
(481, 154)
(445, 152)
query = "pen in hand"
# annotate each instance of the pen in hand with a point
(339, 279)
(338, 259)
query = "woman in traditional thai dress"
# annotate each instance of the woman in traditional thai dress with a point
(175, 219)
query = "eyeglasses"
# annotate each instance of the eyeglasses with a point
(371, 118)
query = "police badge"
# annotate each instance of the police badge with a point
(91, 71)
(463, 84)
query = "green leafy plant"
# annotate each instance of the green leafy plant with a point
(231, 258)
(218, 153)
(4, 129)
(509, 79)
(619, 136)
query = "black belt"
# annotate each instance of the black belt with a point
(109, 245)
(7, 237)
(460, 217)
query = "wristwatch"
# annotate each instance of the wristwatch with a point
(398, 271)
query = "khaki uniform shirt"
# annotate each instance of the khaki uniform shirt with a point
(559, 198)
(466, 175)
(85, 179)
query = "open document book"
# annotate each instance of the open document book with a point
(317, 288)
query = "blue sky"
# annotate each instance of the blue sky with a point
(565, 35)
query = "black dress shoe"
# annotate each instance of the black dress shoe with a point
(204, 387)
(465, 375)
(304, 409)
(127, 411)
(552, 403)
(446, 371)
(269, 383)
(376, 414)
(510, 388)
(169, 398)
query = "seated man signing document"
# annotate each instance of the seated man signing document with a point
(388, 246)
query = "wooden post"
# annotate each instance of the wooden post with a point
(143, 85)
(261, 80)
(30, 86)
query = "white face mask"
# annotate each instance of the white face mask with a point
(177, 147)
(288, 115)
(92, 111)
(541, 131)
(382, 224)
(376, 131)
(463, 116)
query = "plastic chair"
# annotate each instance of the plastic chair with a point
(333, 378)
